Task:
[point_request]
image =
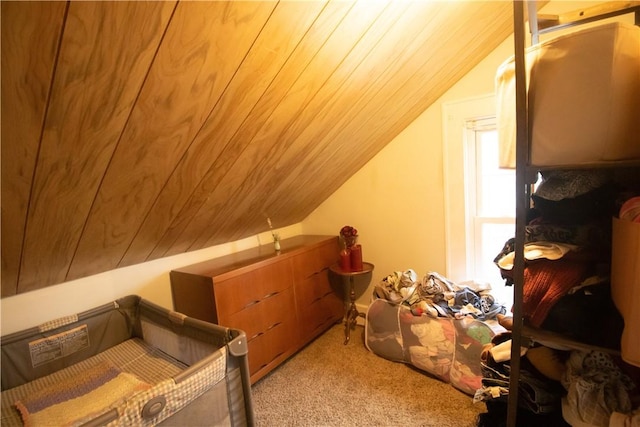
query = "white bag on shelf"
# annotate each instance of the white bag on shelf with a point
(584, 98)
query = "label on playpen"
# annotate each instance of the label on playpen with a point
(45, 350)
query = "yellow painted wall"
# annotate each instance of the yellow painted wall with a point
(396, 201)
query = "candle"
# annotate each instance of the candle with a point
(345, 260)
(356, 258)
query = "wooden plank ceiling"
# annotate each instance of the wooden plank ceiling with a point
(135, 130)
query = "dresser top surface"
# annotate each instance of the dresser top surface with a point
(257, 256)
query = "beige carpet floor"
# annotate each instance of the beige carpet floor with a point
(331, 384)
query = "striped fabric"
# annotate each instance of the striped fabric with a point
(79, 397)
(67, 320)
(146, 362)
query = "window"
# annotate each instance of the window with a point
(480, 197)
(491, 220)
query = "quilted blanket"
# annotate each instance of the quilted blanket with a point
(80, 397)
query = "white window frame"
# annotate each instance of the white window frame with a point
(459, 118)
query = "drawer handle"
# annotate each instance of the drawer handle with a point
(272, 294)
(256, 336)
(274, 325)
(254, 302)
(271, 361)
(262, 333)
(278, 355)
(315, 273)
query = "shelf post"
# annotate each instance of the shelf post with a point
(522, 194)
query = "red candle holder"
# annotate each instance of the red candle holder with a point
(356, 258)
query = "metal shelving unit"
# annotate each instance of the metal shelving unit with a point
(526, 173)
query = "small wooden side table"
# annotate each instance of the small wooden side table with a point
(351, 312)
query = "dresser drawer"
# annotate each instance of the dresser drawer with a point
(315, 262)
(260, 318)
(271, 348)
(320, 315)
(240, 292)
(315, 288)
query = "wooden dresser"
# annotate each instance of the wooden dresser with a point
(281, 301)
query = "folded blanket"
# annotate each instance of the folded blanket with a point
(79, 398)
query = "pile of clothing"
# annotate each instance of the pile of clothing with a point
(560, 387)
(568, 256)
(437, 326)
(437, 296)
(567, 289)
